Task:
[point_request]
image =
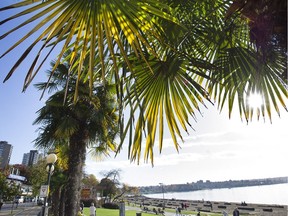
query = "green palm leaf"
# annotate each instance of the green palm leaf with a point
(81, 23)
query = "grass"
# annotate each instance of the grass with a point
(112, 212)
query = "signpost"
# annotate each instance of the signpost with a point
(85, 193)
(44, 191)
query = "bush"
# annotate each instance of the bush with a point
(110, 206)
(87, 202)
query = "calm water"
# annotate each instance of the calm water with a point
(267, 194)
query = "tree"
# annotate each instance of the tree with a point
(90, 181)
(108, 189)
(8, 189)
(113, 175)
(37, 176)
(111, 187)
(125, 189)
(167, 58)
(3, 185)
(89, 121)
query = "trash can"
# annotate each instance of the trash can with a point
(138, 214)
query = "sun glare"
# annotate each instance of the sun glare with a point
(255, 100)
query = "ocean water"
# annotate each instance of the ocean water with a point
(265, 194)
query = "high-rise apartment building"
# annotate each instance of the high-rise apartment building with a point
(31, 158)
(5, 154)
(25, 159)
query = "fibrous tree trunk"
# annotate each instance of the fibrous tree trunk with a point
(56, 201)
(76, 160)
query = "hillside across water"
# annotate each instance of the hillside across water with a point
(201, 185)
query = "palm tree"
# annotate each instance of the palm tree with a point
(212, 58)
(90, 122)
(167, 57)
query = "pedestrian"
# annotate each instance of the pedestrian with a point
(225, 213)
(179, 210)
(1, 203)
(198, 214)
(92, 210)
(17, 202)
(236, 212)
(81, 207)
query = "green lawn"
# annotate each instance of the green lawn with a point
(112, 212)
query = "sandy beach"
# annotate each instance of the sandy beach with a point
(215, 207)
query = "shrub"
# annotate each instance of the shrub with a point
(87, 202)
(110, 206)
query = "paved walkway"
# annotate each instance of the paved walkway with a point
(21, 210)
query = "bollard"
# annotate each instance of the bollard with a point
(122, 209)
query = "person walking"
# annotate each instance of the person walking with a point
(236, 212)
(1, 204)
(176, 211)
(179, 210)
(81, 207)
(92, 210)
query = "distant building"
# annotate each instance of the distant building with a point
(5, 154)
(31, 158)
(25, 159)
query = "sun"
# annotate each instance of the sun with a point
(255, 100)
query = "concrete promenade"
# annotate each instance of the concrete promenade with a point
(23, 209)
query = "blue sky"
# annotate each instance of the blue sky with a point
(218, 149)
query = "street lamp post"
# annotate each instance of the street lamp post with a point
(161, 184)
(50, 160)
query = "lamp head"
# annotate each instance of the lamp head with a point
(51, 158)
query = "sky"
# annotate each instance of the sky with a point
(218, 149)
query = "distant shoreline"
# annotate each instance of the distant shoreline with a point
(214, 188)
(275, 194)
(207, 185)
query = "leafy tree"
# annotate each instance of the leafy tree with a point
(90, 181)
(89, 122)
(108, 189)
(37, 176)
(3, 185)
(125, 190)
(113, 175)
(8, 189)
(111, 186)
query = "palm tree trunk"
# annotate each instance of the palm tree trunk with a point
(56, 201)
(62, 201)
(77, 156)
